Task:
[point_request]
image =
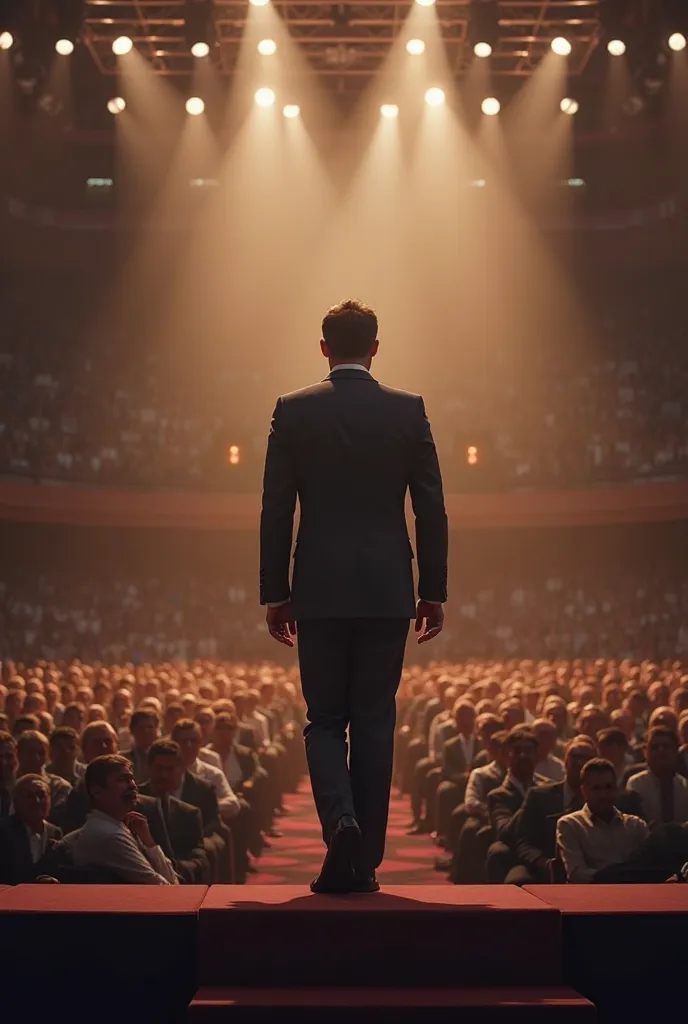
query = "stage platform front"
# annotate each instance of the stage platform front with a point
(264, 953)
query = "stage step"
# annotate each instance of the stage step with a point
(436, 936)
(399, 1005)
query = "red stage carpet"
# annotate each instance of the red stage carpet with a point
(296, 858)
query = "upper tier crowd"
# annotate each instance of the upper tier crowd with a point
(93, 407)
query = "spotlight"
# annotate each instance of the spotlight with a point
(291, 110)
(389, 110)
(267, 47)
(490, 106)
(122, 45)
(116, 105)
(677, 42)
(199, 27)
(425, 3)
(6, 40)
(415, 47)
(64, 47)
(569, 105)
(195, 106)
(561, 46)
(259, 3)
(434, 97)
(265, 97)
(482, 50)
(200, 49)
(483, 27)
(616, 47)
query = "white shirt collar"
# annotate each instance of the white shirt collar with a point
(350, 366)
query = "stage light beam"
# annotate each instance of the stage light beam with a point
(116, 105)
(265, 97)
(267, 47)
(64, 47)
(490, 106)
(195, 106)
(482, 50)
(425, 3)
(435, 97)
(389, 110)
(6, 40)
(569, 106)
(415, 47)
(122, 45)
(616, 47)
(561, 46)
(259, 3)
(200, 49)
(677, 42)
(291, 110)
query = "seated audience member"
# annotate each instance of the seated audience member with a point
(599, 835)
(32, 751)
(25, 723)
(27, 838)
(504, 801)
(682, 762)
(428, 772)
(98, 740)
(173, 712)
(459, 758)
(8, 773)
(245, 775)
(144, 727)
(74, 715)
(548, 766)
(613, 746)
(187, 734)
(64, 753)
(115, 836)
(176, 827)
(663, 792)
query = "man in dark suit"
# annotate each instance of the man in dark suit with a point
(27, 839)
(350, 448)
(176, 827)
(97, 740)
(217, 839)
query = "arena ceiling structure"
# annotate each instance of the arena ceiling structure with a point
(344, 40)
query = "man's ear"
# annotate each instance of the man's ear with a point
(376, 345)
(324, 349)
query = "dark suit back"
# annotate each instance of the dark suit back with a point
(16, 862)
(350, 448)
(180, 836)
(503, 803)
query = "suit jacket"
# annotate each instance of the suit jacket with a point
(16, 862)
(180, 836)
(139, 762)
(503, 803)
(217, 839)
(74, 811)
(349, 448)
(646, 785)
(536, 827)
(455, 766)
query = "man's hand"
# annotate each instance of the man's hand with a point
(281, 624)
(138, 824)
(433, 617)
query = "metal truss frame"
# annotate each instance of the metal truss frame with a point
(350, 40)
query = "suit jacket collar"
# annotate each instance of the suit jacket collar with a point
(350, 374)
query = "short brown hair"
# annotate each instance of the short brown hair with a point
(349, 329)
(596, 766)
(101, 768)
(163, 748)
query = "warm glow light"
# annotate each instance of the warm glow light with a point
(561, 46)
(677, 42)
(291, 110)
(490, 106)
(482, 49)
(389, 110)
(195, 106)
(200, 49)
(64, 47)
(616, 47)
(425, 3)
(259, 3)
(122, 45)
(415, 47)
(265, 97)
(116, 105)
(434, 97)
(569, 106)
(6, 40)
(267, 47)
(234, 455)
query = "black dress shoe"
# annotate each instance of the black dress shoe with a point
(444, 863)
(342, 860)
(366, 882)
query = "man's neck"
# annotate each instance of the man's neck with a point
(361, 364)
(526, 780)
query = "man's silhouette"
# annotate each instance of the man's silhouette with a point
(350, 448)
